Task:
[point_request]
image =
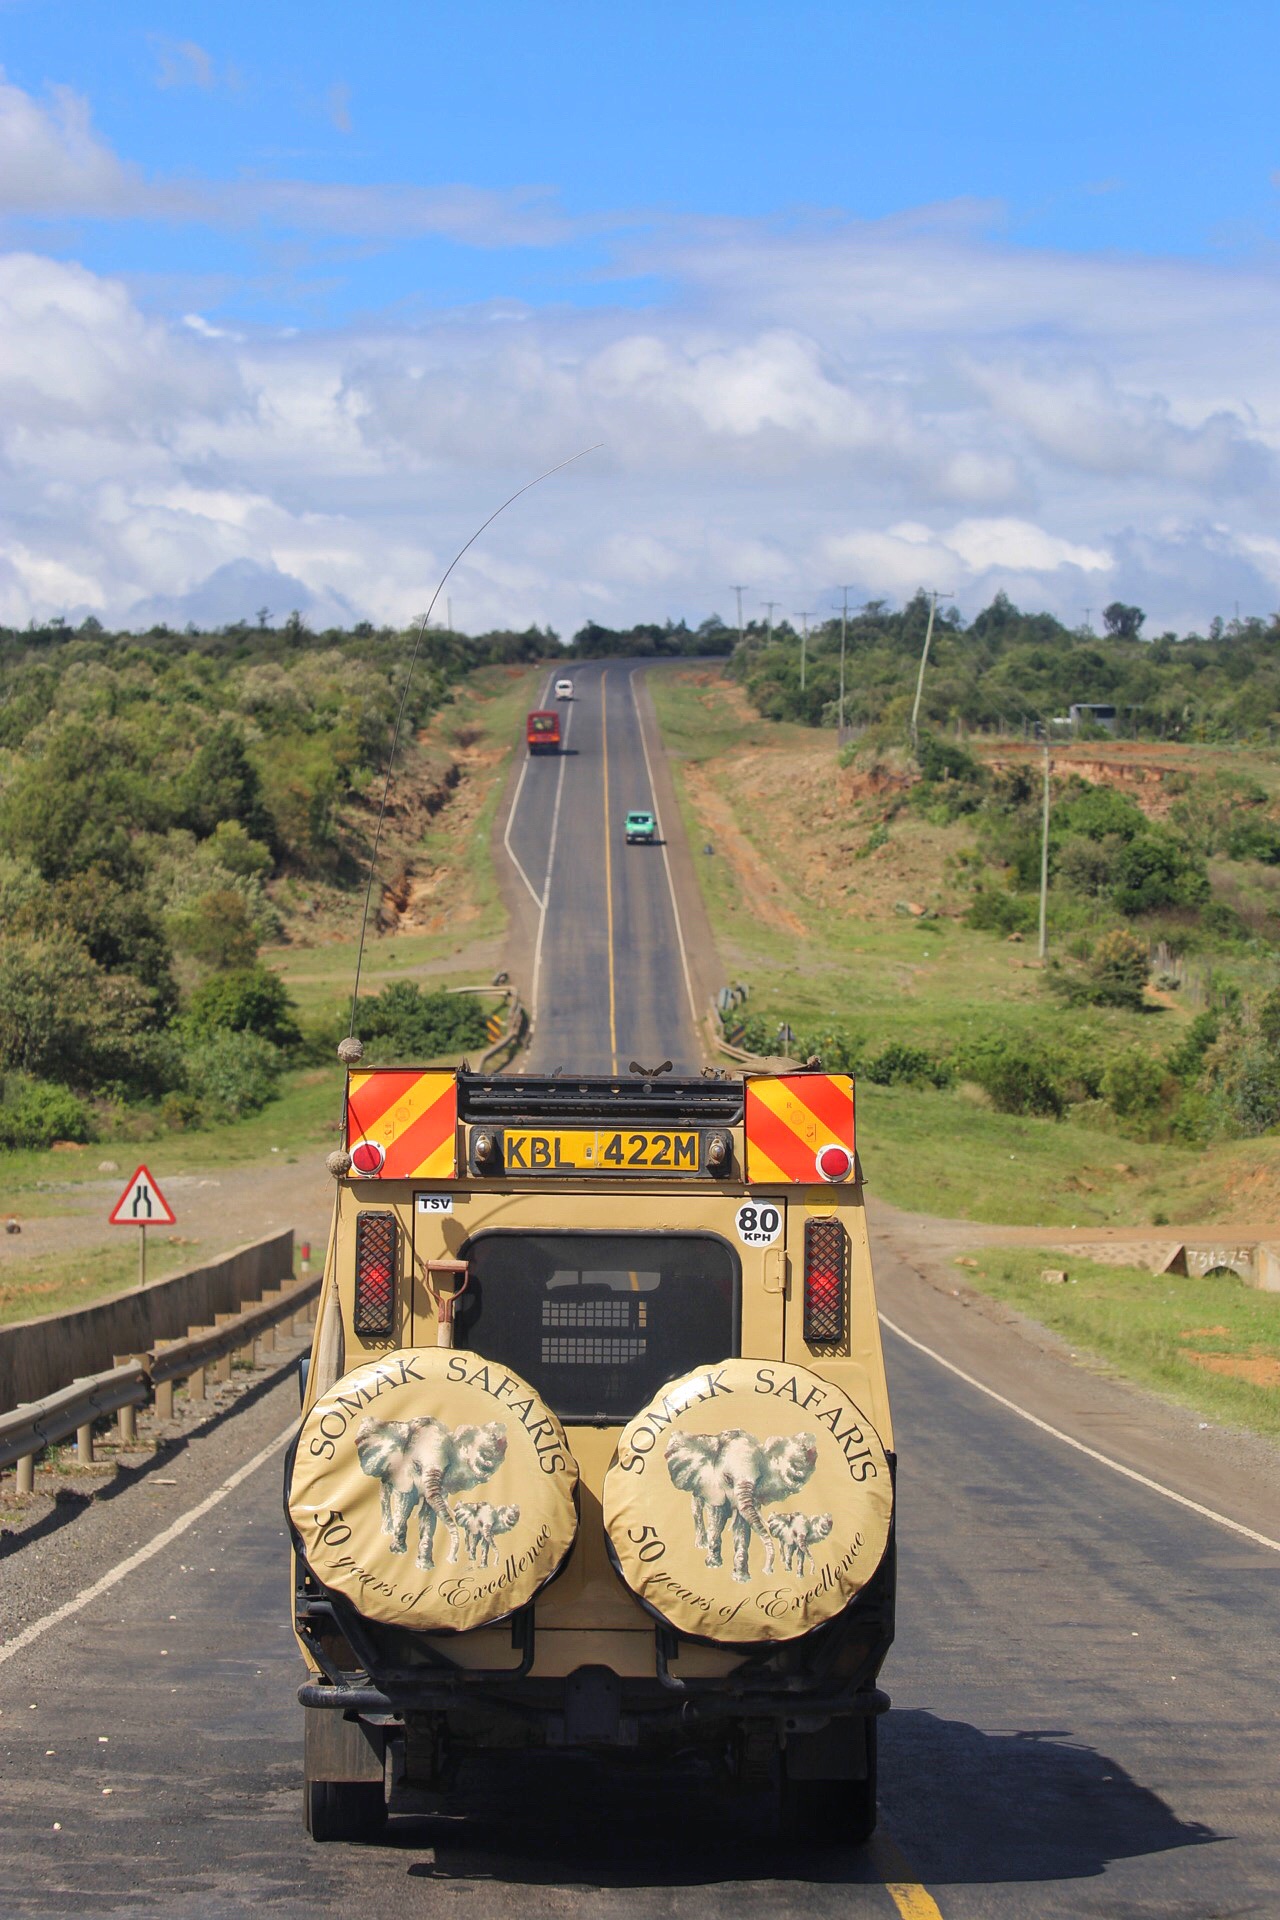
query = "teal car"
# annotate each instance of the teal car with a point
(641, 827)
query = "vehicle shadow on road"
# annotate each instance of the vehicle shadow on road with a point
(972, 1808)
(966, 1807)
(571, 1820)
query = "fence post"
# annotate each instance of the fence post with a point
(27, 1473)
(84, 1444)
(221, 1367)
(127, 1418)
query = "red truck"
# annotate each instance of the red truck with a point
(542, 731)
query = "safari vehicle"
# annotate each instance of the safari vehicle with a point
(641, 826)
(595, 1450)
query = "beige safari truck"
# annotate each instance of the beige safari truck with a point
(595, 1449)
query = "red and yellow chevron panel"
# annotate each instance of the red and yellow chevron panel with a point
(407, 1117)
(790, 1118)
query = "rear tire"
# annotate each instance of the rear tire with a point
(345, 1809)
(829, 1813)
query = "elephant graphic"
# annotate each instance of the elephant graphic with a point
(420, 1463)
(732, 1475)
(795, 1533)
(479, 1522)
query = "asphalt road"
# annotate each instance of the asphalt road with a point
(607, 978)
(1086, 1717)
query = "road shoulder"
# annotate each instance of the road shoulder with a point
(1225, 1468)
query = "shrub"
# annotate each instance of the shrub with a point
(62, 1018)
(1116, 975)
(218, 929)
(1099, 813)
(1087, 865)
(839, 1052)
(1133, 1084)
(405, 1023)
(1154, 871)
(1016, 1076)
(1186, 1060)
(249, 1000)
(899, 1065)
(1243, 1082)
(35, 1113)
(950, 778)
(992, 910)
(230, 1074)
(1255, 839)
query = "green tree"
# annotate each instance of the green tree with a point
(1123, 621)
(248, 1000)
(223, 784)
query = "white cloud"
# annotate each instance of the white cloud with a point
(51, 162)
(181, 63)
(891, 404)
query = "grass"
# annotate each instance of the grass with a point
(808, 919)
(1212, 1344)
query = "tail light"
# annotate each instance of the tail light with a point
(826, 1261)
(374, 1316)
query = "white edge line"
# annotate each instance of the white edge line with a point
(511, 815)
(544, 902)
(171, 1533)
(671, 888)
(1091, 1453)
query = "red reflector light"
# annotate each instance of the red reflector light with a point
(835, 1163)
(366, 1157)
(374, 1314)
(826, 1260)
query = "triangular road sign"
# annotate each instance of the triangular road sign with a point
(142, 1204)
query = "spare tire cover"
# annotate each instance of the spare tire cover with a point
(434, 1490)
(748, 1501)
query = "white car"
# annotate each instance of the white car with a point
(564, 689)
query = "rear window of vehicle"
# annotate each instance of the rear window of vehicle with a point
(599, 1322)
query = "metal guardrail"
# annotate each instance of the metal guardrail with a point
(138, 1379)
(762, 1062)
(517, 1021)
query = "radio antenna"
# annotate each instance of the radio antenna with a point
(404, 696)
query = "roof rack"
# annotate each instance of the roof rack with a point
(517, 1097)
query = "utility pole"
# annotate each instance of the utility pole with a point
(740, 591)
(1088, 619)
(804, 645)
(844, 631)
(1044, 850)
(935, 593)
(769, 607)
(449, 613)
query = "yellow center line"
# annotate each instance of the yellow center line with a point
(901, 1881)
(608, 879)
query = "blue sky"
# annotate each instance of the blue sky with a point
(981, 289)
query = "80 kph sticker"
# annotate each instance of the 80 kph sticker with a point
(758, 1225)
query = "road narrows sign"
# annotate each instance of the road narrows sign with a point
(142, 1204)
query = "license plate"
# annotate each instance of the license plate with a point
(603, 1150)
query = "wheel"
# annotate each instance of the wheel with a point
(345, 1809)
(830, 1813)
